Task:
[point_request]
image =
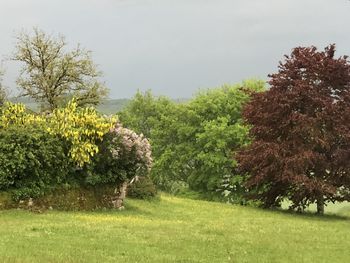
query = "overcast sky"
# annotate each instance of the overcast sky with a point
(176, 47)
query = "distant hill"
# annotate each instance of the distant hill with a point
(112, 106)
(30, 103)
(108, 106)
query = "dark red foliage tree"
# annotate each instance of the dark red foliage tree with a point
(301, 132)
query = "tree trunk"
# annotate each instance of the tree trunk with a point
(120, 193)
(320, 205)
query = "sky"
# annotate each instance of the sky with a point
(177, 47)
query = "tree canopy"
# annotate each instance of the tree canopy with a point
(52, 75)
(193, 142)
(301, 131)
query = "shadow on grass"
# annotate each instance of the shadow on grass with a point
(341, 215)
(130, 208)
(308, 215)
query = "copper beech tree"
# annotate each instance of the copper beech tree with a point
(301, 132)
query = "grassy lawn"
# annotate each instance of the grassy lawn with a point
(174, 230)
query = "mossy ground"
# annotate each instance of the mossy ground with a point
(64, 198)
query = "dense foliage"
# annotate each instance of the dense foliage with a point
(69, 146)
(193, 142)
(31, 160)
(291, 141)
(123, 155)
(301, 131)
(81, 128)
(16, 115)
(143, 188)
(144, 112)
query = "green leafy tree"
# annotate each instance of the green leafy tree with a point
(151, 116)
(144, 112)
(200, 140)
(52, 75)
(194, 142)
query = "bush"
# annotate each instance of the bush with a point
(31, 161)
(123, 155)
(37, 152)
(143, 188)
(80, 128)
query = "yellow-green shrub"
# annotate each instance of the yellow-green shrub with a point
(16, 114)
(82, 128)
(105, 152)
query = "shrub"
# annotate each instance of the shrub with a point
(15, 114)
(123, 155)
(81, 128)
(31, 161)
(38, 152)
(143, 188)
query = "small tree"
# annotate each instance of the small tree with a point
(3, 92)
(301, 127)
(51, 75)
(144, 111)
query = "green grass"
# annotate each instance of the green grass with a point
(174, 230)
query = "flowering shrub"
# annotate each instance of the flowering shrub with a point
(42, 152)
(15, 114)
(82, 128)
(123, 155)
(131, 143)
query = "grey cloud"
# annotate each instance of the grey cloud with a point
(175, 47)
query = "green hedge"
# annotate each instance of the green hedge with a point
(31, 161)
(35, 167)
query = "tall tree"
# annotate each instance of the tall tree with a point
(301, 131)
(193, 142)
(51, 74)
(144, 111)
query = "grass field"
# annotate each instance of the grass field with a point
(174, 230)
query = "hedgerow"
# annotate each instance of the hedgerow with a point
(71, 145)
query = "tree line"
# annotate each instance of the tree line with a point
(248, 142)
(240, 143)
